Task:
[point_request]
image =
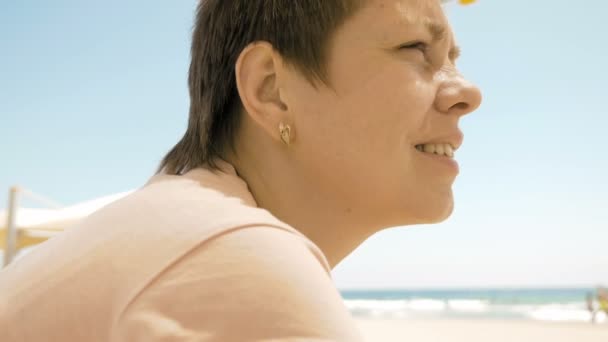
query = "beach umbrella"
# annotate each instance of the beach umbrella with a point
(462, 2)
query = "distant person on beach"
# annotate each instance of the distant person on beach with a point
(602, 299)
(591, 306)
(313, 125)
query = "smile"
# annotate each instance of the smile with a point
(441, 149)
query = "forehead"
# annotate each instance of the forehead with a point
(408, 9)
(386, 17)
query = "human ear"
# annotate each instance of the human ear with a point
(258, 77)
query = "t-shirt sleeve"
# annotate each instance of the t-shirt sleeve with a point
(252, 284)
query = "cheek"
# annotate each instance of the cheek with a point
(389, 107)
(367, 115)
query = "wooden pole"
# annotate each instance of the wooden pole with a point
(11, 225)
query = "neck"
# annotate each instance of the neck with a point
(299, 201)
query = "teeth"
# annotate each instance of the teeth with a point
(439, 149)
(449, 151)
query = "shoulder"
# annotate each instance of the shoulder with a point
(201, 200)
(260, 282)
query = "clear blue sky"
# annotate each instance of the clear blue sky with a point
(93, 93)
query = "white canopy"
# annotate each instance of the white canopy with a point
(37, 225)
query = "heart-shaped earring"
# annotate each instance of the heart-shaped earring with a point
(285, 131)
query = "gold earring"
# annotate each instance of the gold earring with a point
(285, 131)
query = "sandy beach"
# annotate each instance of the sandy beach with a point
(480, 330)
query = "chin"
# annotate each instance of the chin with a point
(440, 215)
(443, 211)
(428, 214)
(406, 209)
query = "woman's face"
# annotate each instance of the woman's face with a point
(393, 90)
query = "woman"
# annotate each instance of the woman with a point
(313, 125)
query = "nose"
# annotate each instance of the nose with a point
(457, 96)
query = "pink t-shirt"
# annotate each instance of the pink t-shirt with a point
(185, 258)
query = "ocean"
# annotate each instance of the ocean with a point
(563, 305)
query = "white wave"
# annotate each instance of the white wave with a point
(374, 304)
(377, 308)
(396, 305)
(394, 308)
(523, 309)
(427, 305)
(560, 313)
(553, 312)
(468, 305)
(601, 317)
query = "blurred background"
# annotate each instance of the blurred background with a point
(92, 94)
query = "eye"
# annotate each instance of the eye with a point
(422, 46)
(429, 53)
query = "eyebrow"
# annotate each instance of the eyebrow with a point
(439, 32)
(454, 53)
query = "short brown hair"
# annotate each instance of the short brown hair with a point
(297, 29)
